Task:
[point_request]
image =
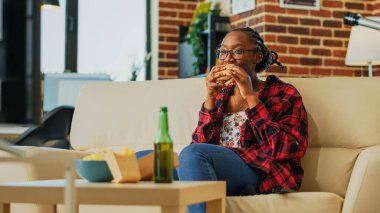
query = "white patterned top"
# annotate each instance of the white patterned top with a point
(231, 129)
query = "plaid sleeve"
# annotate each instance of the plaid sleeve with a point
(285, 138)
(206, 129)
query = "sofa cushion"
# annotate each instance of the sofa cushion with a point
(292, 202)
(340, 116)
(118, 114)
(328, 169)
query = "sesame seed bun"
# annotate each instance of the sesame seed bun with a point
(224, 75)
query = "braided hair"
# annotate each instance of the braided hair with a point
(269, 56)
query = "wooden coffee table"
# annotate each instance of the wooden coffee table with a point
(171, 197)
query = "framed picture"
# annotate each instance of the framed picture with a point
(300, 4)
(241, 6)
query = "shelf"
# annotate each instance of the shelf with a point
(218, 27)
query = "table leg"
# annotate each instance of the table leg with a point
(63, 208)
(218, 205)
(5, 208)
(173, 209)
(70, 190)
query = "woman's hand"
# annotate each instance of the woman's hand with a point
(249, 90)
(213, 88)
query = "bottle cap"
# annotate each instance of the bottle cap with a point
(163, 109)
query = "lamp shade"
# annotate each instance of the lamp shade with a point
(50, 2)
(363, 46)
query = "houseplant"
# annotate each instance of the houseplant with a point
(197, 28)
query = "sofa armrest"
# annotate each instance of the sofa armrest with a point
(363, 189)
(51, 166)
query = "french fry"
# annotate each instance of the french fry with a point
(100, 156)
(127, 151)
(93, 156)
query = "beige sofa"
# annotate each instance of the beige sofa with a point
(342, 164)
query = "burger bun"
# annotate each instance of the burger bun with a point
(224, 76)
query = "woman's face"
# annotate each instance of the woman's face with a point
(239, 40)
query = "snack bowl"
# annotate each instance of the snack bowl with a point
(93, 170)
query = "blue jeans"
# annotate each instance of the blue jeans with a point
(212, 162)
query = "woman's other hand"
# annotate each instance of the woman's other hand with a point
(213, 88)
(249, 89)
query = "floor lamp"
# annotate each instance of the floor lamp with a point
(364, 47)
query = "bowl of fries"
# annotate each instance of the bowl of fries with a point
(109, 165)
(93, 168)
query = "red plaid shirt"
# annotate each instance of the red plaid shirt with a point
(273, 139)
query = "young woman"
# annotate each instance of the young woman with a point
(251, 133)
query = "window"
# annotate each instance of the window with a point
(53, 39)
(111, 38)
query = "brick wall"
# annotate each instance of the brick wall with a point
(309, 43)
(376, 8)
(172, 14)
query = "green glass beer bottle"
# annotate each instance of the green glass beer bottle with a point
(163, 151)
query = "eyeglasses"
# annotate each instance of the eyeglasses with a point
(236, 53)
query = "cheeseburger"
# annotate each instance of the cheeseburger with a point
(224, 75)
